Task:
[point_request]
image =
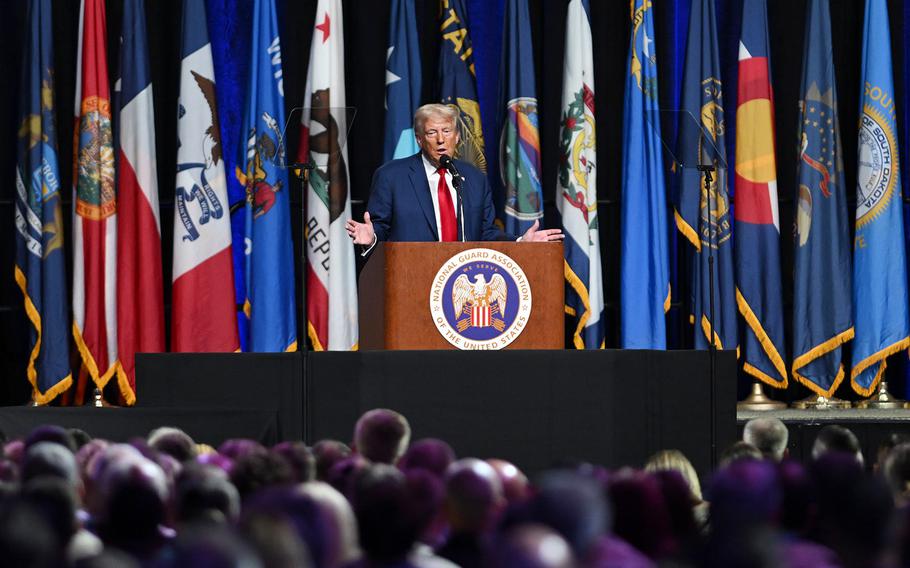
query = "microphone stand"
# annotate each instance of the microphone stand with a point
(707, 169)
(459, 209)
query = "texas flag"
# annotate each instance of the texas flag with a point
(757, 224)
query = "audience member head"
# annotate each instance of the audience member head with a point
(87, 453)
(14, 450)
(300, 458)
(884, 448)
(797, 509)
(745, 492)
(640, 515)
(327, 454)
(173, 442)
(675, 460)
(274, 539)
(51, 433)
(51, 459)
(382, 435)
(204, 494)
(211, 547)
(515, 486)
(769, 435)
(473, 496)
(427, 495)
(531, 546)
(740, 451)
(430, 454)
(836, 438)
(342, 545)
(345, 472)
(55, 499)
(897, 472)
(680, 504)
(387, 521)
(257, 470)
(235, 448)
(26, 536)
(80, 437)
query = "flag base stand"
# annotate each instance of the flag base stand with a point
(819, 402)
(98, 400)
(757, 400)
(881, 398)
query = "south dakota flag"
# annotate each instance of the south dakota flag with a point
(403, 81)
(755, 212)
(821, 264)
(269, 302)
(879, 261)
(40, 271)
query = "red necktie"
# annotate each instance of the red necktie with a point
(448, 226)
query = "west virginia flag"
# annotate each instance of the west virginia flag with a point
(755, 212)
(822, 272)
(40, 271)
(457, 80)
(879, 261)
(402, 82)
(645, 265)
(576, 189)
(703, 215)
(269, 254)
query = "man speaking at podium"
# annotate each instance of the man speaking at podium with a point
(416, 198)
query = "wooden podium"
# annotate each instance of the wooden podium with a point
(395, 290)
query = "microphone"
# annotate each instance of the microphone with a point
(446, 162)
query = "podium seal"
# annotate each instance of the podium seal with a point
(480, 299)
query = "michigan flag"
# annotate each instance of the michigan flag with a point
(703, 215)
(645, 265)
(880, 313)
(576, 191)
(402, 82)
(40, 271)
(269, 301)
(457, 80)
(519, 145)
(755, 211)
(821, 264)
(330, 272)
(203, 307)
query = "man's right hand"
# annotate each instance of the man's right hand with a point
(361, 233)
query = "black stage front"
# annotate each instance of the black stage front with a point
(535, 408)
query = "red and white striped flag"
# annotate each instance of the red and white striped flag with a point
(94, 203)
(203, 305)
(331, 284)
(140, 304)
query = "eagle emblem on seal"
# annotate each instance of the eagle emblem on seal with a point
(479, 303)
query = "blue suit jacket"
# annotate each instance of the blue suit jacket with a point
(401, 207)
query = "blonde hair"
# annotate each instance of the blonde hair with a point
(435, 110)
(675, 460)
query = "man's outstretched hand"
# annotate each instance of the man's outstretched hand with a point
(361, 233)
(537, 235)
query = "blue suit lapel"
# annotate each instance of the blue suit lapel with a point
(421, 188)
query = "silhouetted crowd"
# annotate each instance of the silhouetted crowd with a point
(69, 500)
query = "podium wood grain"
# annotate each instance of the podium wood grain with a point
(395, 294)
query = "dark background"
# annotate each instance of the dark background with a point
(366, 40)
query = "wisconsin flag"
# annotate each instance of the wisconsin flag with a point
(821, 264)
(576, 191)
(703, 215)
(519, 145)
(331, 282)
(879, 261)
(645, 265)
(140, 302)
(204, 312)
(755, 212)
(269, 249)
(40, 271)
(457, 80)
(94, 203)
(402, 82)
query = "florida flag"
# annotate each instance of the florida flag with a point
(94, 203)
(331, 285)
(204, 312)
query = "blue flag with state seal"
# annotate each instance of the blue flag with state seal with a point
(644, 256)
(269, 305)
(703, 215)
(822, 320)
(402, 82)
(880, 310)
(519, 144)
(40, 271)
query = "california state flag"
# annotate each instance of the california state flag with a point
(94, 203)
(331, 285)
(204, 308)
(140, 304)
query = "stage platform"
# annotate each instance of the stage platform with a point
(535, 408)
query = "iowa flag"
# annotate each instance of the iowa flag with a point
(204, 313)
(880, 306)
(576, 190)
(755, 211)
(140, 303)
(40, 271)
(331, 283)
(94, 204)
